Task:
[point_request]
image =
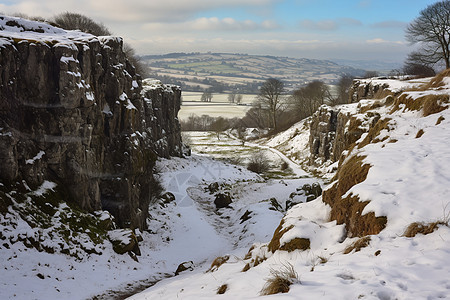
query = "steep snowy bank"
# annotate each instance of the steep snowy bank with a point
(380, 231)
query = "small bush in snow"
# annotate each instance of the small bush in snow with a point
(280, 280)
(259, 163)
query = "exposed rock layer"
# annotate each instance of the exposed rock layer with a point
(77, 114)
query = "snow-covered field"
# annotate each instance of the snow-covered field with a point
(218, 107)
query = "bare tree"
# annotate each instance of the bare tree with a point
(232, 97)
(411, 68)
(370, 74)
(307, 99)
(271, 98)
(74, 21)
(206, 96)
(238, 99)
(343, 89)
(431, 30)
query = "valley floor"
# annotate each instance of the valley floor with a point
(190, 228)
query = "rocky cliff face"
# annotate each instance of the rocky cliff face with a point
(73, 111)
(335, 129)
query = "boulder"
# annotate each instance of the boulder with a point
(124, 241)
(222, 200)
(185, 266)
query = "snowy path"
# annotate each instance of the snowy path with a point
(296, 169)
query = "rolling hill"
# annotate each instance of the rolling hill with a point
(240, 72)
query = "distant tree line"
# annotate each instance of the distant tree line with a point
(274, 108)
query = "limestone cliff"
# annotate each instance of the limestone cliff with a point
(73, 111)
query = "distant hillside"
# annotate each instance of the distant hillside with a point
(240, 72)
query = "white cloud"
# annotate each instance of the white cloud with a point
(213, 24)
(329, 25)
(382, 41)
(132, 10)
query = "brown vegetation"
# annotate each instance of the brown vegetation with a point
(439, 120)
(419, 133)
(280, 280)
(423, 228)
(296, 244)
(358, 245)
(437, 81)
(374, 132)
(429, 104)
(274, 244)
(348, 210)
(215, 265)
(222, 289)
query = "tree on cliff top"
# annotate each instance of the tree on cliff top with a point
(74, 21)
(431, 30)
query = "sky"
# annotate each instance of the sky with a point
(321, 29)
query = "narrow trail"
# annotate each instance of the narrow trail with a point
(296, 169)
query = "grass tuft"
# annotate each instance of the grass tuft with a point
(280, 280)
(358, 245)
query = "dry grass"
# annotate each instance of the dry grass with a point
(439, 120)
(437, 81)
(358, 245)
(426, 228)
(215, 265)
(429, 104)
(274, 244)
(375, 131)
(222, 289)
(419, 133)
(280, 280)
(348, 210)
(253, 263)
(296, 244)
(423, 228)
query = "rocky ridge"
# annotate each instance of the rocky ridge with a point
(74, 112)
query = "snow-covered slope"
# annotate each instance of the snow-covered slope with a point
(395, 244)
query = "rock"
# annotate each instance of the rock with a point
(275, 204)
(75, 112)
(310, 198)
(316, 190)
(307, 188)
(185, 266)
(246, 216)
(168, 197)
(124, 241)
(213, 187)
(222, 200)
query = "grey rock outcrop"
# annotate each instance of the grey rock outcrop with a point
(76, 113)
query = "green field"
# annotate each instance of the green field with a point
(213, 67)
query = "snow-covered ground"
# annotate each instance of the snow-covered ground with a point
(408, 182)
(187, 229)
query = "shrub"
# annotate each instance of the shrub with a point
(222, 289)
(74, 21)
(358, 245)
(280, 280)
(259, 163)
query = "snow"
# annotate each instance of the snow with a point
(408, 182)
(38, 31)
(37, 157)
(47, 185)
